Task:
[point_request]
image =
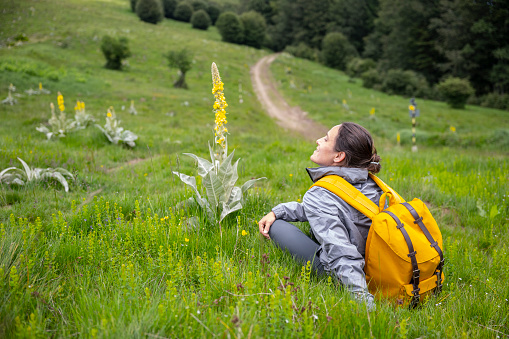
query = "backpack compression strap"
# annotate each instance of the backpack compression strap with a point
(349, 194)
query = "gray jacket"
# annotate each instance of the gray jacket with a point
(340, 229)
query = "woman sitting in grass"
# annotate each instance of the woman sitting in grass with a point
(339, 231)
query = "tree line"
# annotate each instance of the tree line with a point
(431, 40)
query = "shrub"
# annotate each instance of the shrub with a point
(409, 83)
(183, 12)
(199, 4)
(254, 28)
(495, 100)
(150, 11)
(115, 50)
(337, 50)
(230, 27)
(302, 51)
(357, 66)
(455, 91)
(371, 78)
(169, 7)
(182, 60)
(213, 11)
(200, 19)
(133, 5)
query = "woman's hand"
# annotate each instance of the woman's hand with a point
(265, 223)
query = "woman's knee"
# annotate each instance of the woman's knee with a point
(278, 229)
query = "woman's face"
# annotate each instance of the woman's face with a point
(325, 154)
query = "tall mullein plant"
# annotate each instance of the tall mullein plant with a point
(219, 175)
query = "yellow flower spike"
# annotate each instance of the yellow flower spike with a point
(244, 233)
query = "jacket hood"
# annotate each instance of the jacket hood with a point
(351, 175)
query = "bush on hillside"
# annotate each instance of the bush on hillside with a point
(133, 5)
(150, 11)
(254, 28)
(169, 7)
(371, 78)
(495, 100)
(213, 11)
(199, 4)
(183, 12)
(183, 61)
(409, 83)
(337, 51)
(200, 20)
(455, 91)
(357, 66)
(302, 51)
(230, 27)
(115, 50)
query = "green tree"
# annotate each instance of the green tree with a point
(183, 12)
(353, 18)
(402, 37)
(254, 28)
(456, 91)
(115, 50)
(169, 7)
(213, 11)
(199, 4)
(133, 5)
(230, 27)
(150, 11)
(200, 20)
(337, 50)
(183, 61)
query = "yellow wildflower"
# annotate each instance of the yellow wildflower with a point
(40, 86)
(108, 114)
(453, 129)
(372, 111)
(187, 240)
(344, 102)
(220, 112)
(291, 175)
(411, 107)
(398, 137)
(60, 100)
(244, 233)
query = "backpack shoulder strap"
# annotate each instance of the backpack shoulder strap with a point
(394, 197)
(349, 194)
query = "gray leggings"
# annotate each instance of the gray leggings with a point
(289, 237)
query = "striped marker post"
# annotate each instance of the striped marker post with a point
(413, 112)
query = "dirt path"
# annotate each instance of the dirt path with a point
(292, 118)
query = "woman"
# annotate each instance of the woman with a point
(339, 229)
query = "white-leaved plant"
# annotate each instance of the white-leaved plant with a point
(114, 132)
(60, 126)
(10, 99)
(17, 176)
(219, 175)
(82, 118)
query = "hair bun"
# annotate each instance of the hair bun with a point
(374, 164)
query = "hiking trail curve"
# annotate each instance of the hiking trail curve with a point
(291, 118)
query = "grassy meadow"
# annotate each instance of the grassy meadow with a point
(116, 257)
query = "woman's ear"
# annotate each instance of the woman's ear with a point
(340, 156)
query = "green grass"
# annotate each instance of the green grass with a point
(115, 258)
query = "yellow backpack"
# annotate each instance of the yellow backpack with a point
(404, 258)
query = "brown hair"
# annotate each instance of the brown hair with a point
(359, 148)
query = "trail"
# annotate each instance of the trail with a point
(292, 118)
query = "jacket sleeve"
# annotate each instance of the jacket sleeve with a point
(339, 255)
(290, 211)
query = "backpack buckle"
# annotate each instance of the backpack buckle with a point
(416, 274)
(418, 220)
